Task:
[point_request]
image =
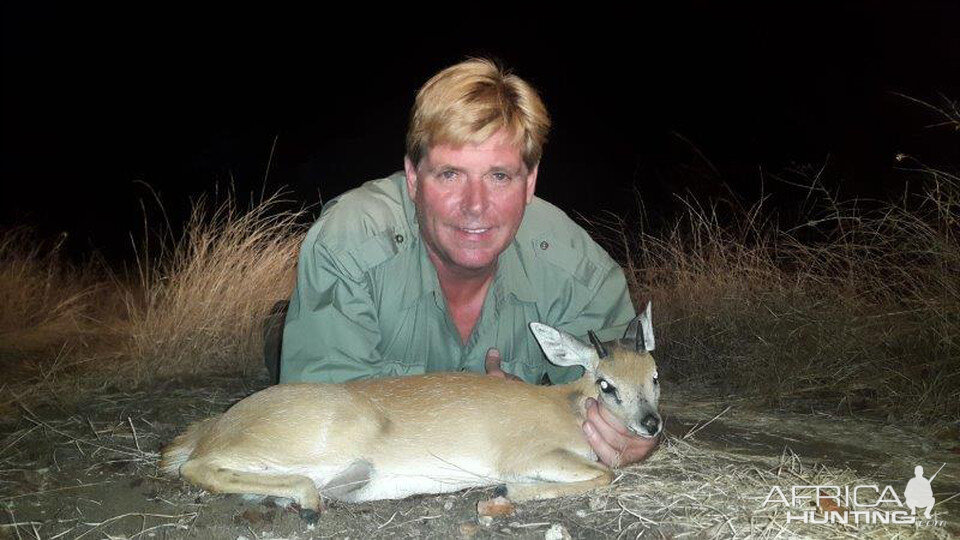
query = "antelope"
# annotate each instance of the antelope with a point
(436, 433)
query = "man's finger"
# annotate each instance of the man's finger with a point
(611, 446)
(491, 363)
(612, 421)
(612, 432)
(607, 453)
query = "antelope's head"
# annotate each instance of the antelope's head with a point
(622, 371)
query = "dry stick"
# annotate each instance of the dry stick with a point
(695, 429)
(43, 492)
(636, 515)
(121, 516)
(77, 440)
(136, 440)
(414, 520)
(950, 498)
(93, 429)
(528, 525)
(155, 527)
(384, 524)
(15, 441)
(13, 521)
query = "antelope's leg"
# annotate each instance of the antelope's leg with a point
(557, 474)
(213, 477)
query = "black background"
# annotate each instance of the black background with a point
(701, 98)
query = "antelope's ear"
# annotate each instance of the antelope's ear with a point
(563, 349)
(640, 331)
(646, 324)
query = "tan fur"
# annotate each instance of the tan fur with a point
(389, 438)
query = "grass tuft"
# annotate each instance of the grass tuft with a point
(197, 304)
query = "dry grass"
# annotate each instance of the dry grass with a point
(198, 303)
(43, 298)
(856, 310)
(95, 470)
(194, 304)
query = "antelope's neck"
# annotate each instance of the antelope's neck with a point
(576, 394)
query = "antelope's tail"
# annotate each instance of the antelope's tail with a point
(178, 452)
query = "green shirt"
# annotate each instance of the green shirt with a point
(367, 302)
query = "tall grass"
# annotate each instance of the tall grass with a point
(198, 302)
(45, 300)
(863, 314)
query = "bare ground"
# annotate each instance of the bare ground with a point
(88, 470)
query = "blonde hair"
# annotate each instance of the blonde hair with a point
(470, 101)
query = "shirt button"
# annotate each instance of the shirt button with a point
(398, 238)
(544, 244)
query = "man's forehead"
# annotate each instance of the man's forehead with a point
(486, 155)
(448, 162)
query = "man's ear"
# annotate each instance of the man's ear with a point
(532, 182)
(411, 171)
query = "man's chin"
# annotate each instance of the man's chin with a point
(476, 262)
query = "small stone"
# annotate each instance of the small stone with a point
(597, 503)
(557, 532)
(448, 505)
(468, 530)
(581, 513)
(498, 506)
(486, 521)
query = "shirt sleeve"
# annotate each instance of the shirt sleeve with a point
(607, 312)
(331, 332)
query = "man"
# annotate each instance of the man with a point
(442, 266)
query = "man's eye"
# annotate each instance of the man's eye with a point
(501, 177)
(448, 175)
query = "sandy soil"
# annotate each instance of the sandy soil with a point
(89, 471)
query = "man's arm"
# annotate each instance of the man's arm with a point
(331, 332)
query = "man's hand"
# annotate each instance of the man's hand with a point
(492, 365)
(610, 439)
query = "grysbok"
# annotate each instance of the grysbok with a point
(390, 438)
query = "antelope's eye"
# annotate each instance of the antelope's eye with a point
(606, 387)
(656, 378)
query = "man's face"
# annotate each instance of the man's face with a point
(470, 202)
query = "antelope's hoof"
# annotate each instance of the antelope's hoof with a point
(309, 516)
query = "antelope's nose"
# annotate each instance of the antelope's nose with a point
(651, 423)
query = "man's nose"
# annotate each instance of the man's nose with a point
(475, 197)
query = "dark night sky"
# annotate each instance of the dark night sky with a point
(95, 99)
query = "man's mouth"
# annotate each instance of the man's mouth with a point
(475, 233)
